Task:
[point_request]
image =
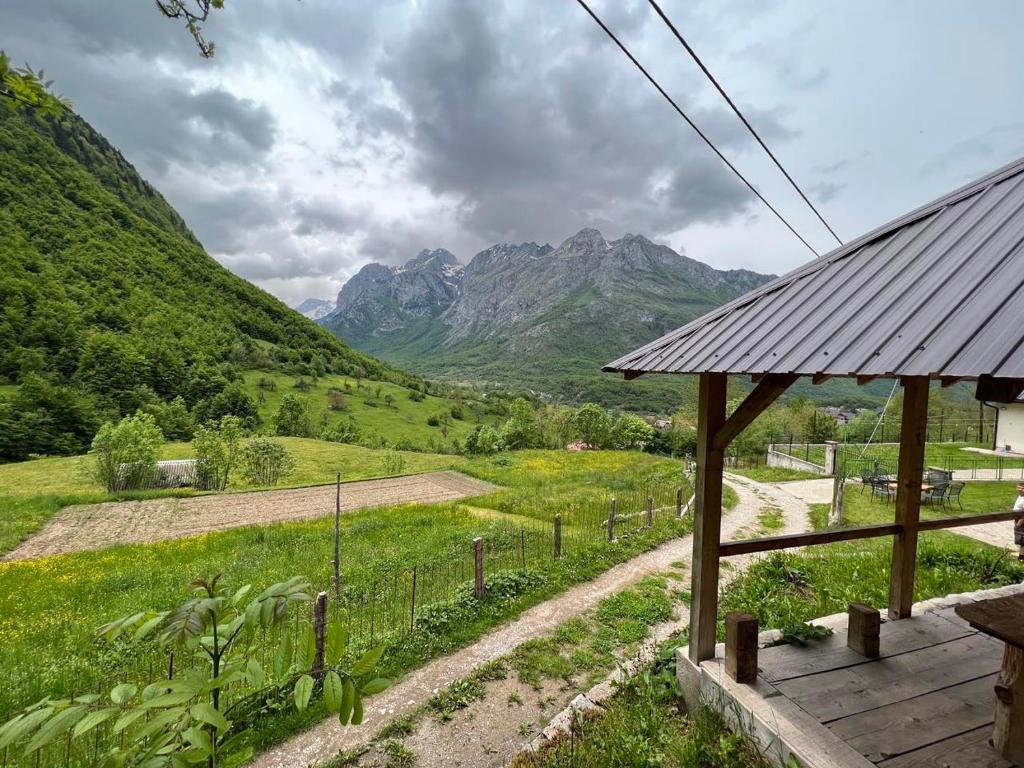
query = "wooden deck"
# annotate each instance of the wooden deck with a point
(926, 701)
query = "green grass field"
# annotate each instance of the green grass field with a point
(942, 455)
(52, 606)
(402, 421)
(32, 491)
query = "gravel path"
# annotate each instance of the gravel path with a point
(94, 526)
(328, 739)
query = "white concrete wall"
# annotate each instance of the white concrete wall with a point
(778, 459)
(1011, 427)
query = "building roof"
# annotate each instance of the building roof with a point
(936, 292)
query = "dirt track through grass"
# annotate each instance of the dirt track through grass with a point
(326, 740)
(95, 526)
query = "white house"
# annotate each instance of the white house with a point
(1010, 426)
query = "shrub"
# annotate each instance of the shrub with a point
(416, 396)
(483, 441)
(394, 463)
(341, 433)
(266, 462)
(631, 433)
(336, 400)
(295, 418)
(217, 452)
(302, 384)
(173, 418)
(126, 452)
(233, 400)
(267, 384)
(433, 421)
(592, 425)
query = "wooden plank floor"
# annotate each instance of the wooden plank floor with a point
(927, 701)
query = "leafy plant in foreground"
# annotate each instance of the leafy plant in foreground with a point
(183, 721)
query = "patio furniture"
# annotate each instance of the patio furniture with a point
(934, 494)
(1003, 619)
(953, 494)
(884, 487)
(866, 476)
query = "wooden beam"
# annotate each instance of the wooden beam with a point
(998, 390)
(707, 521)
(949, 381)
(913, 430)
(820, 378)
(956, 522)
(630, 375)
(741, 647)
(764, 394)
(772, 543)
(862, 380)
(863, 629)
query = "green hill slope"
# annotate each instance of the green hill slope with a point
(108, 302)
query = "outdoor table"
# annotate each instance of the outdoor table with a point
(925, 487)
(1003, 619)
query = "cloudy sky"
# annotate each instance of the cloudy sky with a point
(326, 134)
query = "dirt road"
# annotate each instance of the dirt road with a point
(326, 740)
(94, 526)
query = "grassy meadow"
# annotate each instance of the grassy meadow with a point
(52, 606)
(402, 420)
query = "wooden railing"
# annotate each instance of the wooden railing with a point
(772, 543)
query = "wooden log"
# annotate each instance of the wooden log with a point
(319, 633)
(765, 393)
(741, 647)
(1008, 733)
(913, 427)
(478, 567)
(707, 523)
(863, 629)
(790, 540)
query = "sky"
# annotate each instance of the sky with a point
(326, 134)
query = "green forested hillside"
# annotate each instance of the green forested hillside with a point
(109, 303)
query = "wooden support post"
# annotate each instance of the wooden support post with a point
(741, 647)
(337, 539)
(650, 511)
(863, 628)
(908, 495)
(319, 633)
(412, 610)
(679, 502)
(707, 533)
(611, 519)
(478, 567)
(558, 536)
(1008, 734)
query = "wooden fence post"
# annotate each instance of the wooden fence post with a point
(412, 611)
(558, 536)
(611, 519)
(478, 567)
(650, 511)
(522, 548)
(741, 647)
(320, 633)
(679, 501)
(337, 538)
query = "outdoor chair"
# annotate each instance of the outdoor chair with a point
(880, 487)
(936, 495)
(953, 494)
(866, 479)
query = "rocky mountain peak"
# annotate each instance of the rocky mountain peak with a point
(587, 239)
(433, 259)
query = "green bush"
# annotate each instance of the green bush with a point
(217, 451)
(125, 453)
(266, 462)
(295, 418)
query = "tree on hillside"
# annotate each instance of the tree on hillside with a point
(630, 433)
(522, 429)
(217, 449)
(126, 452)
(295, 418)
(592, 425)
(45, 419)
(233, 400)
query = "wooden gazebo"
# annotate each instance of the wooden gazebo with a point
(934, 296)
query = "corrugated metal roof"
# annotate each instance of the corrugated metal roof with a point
(937, 292)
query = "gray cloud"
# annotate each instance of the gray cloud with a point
(326, 134)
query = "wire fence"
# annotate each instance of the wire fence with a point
(387, 608)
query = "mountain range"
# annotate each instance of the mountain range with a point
(532, 315)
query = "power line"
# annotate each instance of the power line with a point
(693, 125)
(729, 101)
